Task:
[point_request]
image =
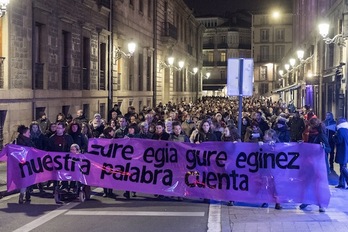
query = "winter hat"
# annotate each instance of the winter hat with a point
(97, 115)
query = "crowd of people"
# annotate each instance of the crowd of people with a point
(208, 119)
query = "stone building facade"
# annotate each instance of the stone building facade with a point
(60, 56)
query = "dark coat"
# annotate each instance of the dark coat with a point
(341, 140)
(23, 141)
(320, 138)
(163, 136)
(204, 137)
(297, 126)
(60, 143)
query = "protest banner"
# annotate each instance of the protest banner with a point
(246, 172)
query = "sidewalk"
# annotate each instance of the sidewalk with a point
(3, 188)
(243, 217)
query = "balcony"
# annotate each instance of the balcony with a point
(267, 59)
(208, 63)
(222, 45)
(221, 63)
(208, 46)
(169, 33)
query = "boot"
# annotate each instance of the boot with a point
(27, 196)
(21, 198)
(126, 194)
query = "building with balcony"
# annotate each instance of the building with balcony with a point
(223, 39)
(62, 56)
(271, 41)
(327, 70)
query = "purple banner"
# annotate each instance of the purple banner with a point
(246, 172)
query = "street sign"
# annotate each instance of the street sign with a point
(240, 70)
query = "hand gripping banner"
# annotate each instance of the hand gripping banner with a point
(245, 172)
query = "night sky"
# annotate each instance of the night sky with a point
(220, 7)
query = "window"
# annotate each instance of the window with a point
(38, 110)
(85, 108)
(264, 53)
(131, 74)
(102, 66)
(263, 88)
(264, 35)
(223, 39)
(148, 74)
(140, 72)
(263, 73)
(149, 8)
(210, 56)
(38, 54)
(223, 56)
(141, 6)
(102, 110)
(131, 3)
(65, 110)
(279, 52)
(85, 63)
(223, 75)
(66, 53)
(280, 35)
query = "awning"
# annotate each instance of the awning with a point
(287, 88)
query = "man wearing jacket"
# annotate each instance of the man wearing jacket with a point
(341, 140)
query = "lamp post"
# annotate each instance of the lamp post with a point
(340, 40)
(3, 7)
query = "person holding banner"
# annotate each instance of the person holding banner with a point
(253, 133)
(316, 134)
(108, 133)
(204, 133)
(341, 140)
(60, 142)
(23, 139)
(270, 138)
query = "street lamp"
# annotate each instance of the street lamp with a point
(131, 49)
(340, 40)
(3, 5)
(300, 54)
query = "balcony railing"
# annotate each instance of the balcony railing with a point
(221, 63)
(65, 77)
(222, 45)
(208, 63)
(169, 30)
(208, 46)
(39, 75)
(267, 58)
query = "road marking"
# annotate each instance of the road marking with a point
(214, 217)
(134, 213)
(49, 216)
